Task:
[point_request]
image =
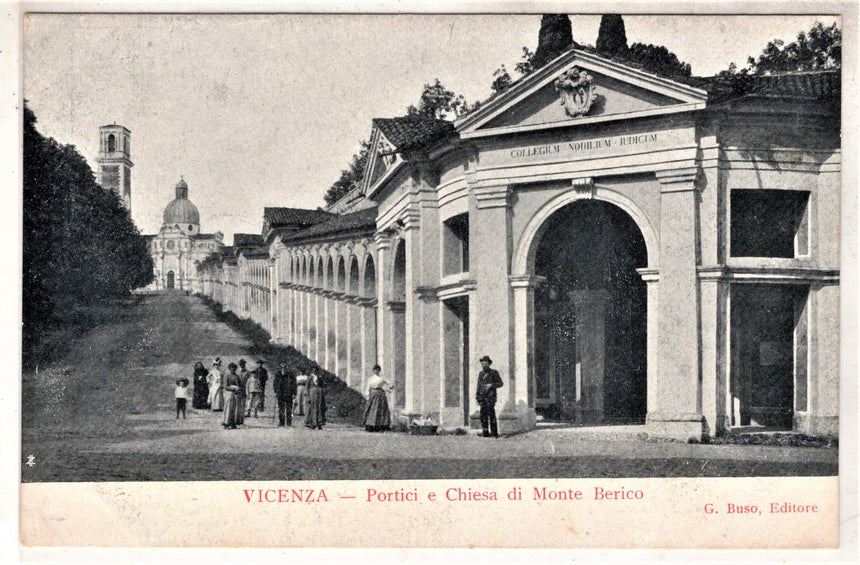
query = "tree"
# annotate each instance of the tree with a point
(438, 102)
(350, 177)
(79, 242)
(503, 80)
(819, 48)
(554, 38)
(612, 37)
(658, 60)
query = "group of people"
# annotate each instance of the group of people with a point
(241, 393)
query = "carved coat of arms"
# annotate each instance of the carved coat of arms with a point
(576, 88)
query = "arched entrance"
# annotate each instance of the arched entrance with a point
(590, 316)
(170, 280)
(397, 306)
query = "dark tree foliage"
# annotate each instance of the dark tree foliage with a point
(818, 49)
(440, 103)
(554, 38)
(502, 78)
(658, 60)
(612, 37)
(351, 177)
(79, 242)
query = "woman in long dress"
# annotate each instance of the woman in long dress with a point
(216, 390)
(232, 404)
(201, 387)
(300, 403)
(377, 417)
(315, 418)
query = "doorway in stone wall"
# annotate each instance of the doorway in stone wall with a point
(769, 345)
(170, 280)
(590, 317)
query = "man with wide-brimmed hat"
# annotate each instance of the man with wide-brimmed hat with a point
(488, 381)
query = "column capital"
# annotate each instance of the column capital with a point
(383, 239)
(649, 275)
(426, 293)
(423, 172)
(682, 179)
(411, 217)
(526, 281)
(493, 196)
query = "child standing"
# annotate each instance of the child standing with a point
(181, 394)
(254, 392)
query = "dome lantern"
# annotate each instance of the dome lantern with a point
(181, 212)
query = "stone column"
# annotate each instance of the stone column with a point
(652, 290)
(591, 354)
(272, 302)
(384, 338)
(341, 337)
(369, 351)
(412, 388)
(677, 398)
(427, 366)
(522, 383)
(327, 341)
(491, 316)
(716, 400)
(354, 337)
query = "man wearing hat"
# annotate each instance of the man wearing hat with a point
(488, 381)
(263, 377)
(284, 385)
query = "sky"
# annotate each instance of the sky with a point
(261, 110)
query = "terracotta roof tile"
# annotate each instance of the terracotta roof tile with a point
(412, 132)
(247, 240)
(810, 85)
(362, 219)
(294, 216)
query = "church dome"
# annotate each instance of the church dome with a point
(180, 210)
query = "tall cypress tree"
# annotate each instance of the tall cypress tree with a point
(612, 37)
(555, 37)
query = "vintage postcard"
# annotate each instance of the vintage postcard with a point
(496, 281)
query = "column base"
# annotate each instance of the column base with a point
(683, 427)
(816, 425)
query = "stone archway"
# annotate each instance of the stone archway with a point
(590, 316)
(171, 280)
(590, 311)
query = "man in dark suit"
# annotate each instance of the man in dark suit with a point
(488, 381)
(284, 385)
(263, 376)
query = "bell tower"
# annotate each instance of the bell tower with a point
(115, 162)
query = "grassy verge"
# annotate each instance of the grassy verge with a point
(777, 439)
(345, 405)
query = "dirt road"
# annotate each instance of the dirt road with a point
(105, 412)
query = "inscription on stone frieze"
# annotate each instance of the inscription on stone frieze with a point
(585, 146)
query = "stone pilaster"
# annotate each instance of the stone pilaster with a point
(491, 315)
(522, 383)
(676, 408)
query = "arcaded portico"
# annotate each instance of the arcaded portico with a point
(626, 248)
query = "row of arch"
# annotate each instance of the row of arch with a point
(349, 275)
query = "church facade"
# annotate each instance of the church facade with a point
(625, 247)
(179, 246)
